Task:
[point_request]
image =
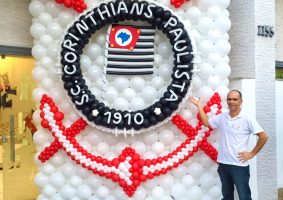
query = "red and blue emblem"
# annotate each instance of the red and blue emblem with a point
(124, 37)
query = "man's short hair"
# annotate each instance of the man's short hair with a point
(240, 94)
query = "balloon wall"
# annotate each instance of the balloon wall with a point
(79, 157)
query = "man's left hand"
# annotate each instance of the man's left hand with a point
(245, 156)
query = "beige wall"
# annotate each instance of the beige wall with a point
(15, 22)
(279, 30)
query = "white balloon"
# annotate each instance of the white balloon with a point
(223, 91)
(36, 8)
(64, 18)
(197, 82)
(165, 71)
(45, 18)
(206, 70)
(120, 146)
(139, 147)
(140, 194)
(129, 93)
(49, 190)
(37, 30)
(84, 191)
(41, 179)
(83, 172)
(110, 156)
(214, 34)
(158, 148)
(94, 73)
(68, 191)
(223, 24)
(121, 83)
(47, 83)
(40, 138)
(57, 180)
(57, 196)
(207, 180)
(163, 49)
(46, 62)
(157, 82)
(75, 181)
(46, 40)
(94, 181)
(100, 39)
(38, 51)
(193, 14)
(56, 95)
(111, 94)
(206, 197)
(137, 83)
(158, 192)
(205, 47)
(149, 94)
(225, 82)
(121, 104)
(166, 136)
(215, 192)
(213, 81)
(38, 93)
(102, 192)
(214, 58)
(195, 170)
(48, 169)
(222, 47)
(150, 138)
(110, 139)
(226, 13)
(195, 192)
(205, 24)
(52, 51)
(103, 148)
(137, 103)
(151, 184)
(178, 191)
(204, 4)
(120, 194)
(188, 181)
(180, 171)
(205, 161)
(196, 36)
(55, 30)
(100, 60)
(166, 181)
(52, 8)
(57, 160)
(93, 50)
(68, 170)
(213, 12)
(158, 60)
(223, 3)
(85, 63)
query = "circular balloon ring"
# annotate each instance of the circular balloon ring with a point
(111, 119)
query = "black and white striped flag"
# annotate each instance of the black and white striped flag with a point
(129, 50)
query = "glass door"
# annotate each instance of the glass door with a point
(17, 128)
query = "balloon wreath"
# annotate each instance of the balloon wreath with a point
(95, 112)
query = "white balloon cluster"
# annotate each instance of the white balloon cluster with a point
(60, 178)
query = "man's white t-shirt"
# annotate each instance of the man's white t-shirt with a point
(234, 136)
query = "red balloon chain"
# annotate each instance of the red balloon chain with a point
(189, 131)
(78, 5)
(177, 3)
(128, 169)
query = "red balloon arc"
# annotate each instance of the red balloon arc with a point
(129, 170)
(79, 5)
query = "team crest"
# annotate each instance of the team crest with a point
(124, 37)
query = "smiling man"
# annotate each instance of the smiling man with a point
(235, 129)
